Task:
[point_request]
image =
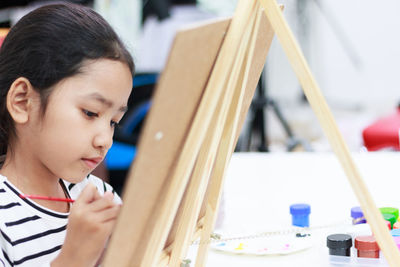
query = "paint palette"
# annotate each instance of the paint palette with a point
(279, 245)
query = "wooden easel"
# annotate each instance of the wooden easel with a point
(172, 193)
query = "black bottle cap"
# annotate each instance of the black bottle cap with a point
(339, 241)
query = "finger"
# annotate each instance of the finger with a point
(102, 203)
(110, 225)
(109, 195)
(88, 194)
(109, 214)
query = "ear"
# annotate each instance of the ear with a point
(20, 98)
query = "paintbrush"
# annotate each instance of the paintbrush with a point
(47, 198)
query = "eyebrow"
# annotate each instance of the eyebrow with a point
(98, 97)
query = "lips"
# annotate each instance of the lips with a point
(92, 162)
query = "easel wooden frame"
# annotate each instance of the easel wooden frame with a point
(174, 187)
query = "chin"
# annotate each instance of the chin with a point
(74, 179)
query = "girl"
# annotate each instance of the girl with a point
(65, 79)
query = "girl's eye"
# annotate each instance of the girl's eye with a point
(89, 113)
(114, 124)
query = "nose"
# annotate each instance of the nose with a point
(103, 139)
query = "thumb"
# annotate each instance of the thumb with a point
(89, 194)
(109, 195)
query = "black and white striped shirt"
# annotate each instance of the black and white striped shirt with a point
(30, 234)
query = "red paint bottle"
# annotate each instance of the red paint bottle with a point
(366, 246)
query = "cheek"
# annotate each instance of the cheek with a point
(63, 120)
(63, 131)
(62, 145)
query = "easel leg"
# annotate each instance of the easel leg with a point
(228, 105)
(225, 150)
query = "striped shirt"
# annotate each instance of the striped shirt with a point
(30, 234)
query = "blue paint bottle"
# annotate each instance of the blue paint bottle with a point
(300, 214)
(395, 232)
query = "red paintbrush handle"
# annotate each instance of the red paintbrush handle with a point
(47, 198)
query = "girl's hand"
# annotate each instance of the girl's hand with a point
(90, 224)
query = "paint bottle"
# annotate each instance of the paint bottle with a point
(390, 210)
(339, 244)
(388, 225)
(357, 215)
(390, 218)
(397, 241)
(395, 232)
(300, 214)
(366, 246)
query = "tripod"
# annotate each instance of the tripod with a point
(257, 124)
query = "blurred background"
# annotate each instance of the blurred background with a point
(352, 46)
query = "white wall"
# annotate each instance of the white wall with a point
(373, 30)
(369, 31)
(125, 16)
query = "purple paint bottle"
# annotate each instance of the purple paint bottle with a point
(357, 215)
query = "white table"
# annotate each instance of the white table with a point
(260, 187)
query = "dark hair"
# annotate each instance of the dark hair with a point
(48, 45)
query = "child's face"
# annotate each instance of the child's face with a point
(77, 129)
